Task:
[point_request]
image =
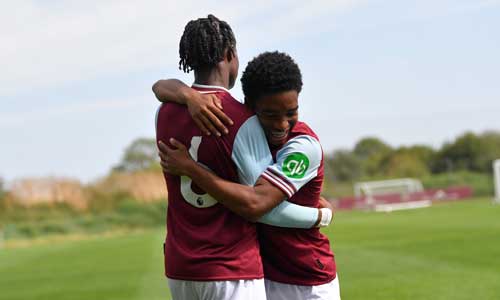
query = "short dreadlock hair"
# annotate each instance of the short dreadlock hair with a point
(204, 43)
(270, 73)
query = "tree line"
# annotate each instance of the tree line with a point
(371, 157)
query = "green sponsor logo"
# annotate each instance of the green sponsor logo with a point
(295, 165)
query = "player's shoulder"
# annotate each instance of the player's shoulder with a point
(302, 140)
(302, 153)
(169, 109)
(302, 129)
(236, 110)
(233, 108)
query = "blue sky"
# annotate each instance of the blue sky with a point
(76, 75)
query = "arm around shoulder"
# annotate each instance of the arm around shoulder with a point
(172, 90)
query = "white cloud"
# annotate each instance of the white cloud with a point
(79, 41)
(46, 44)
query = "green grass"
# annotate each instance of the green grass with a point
(19, 222)
(448, 251)
(118, 267)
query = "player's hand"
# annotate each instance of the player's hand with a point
(206, 110)
(327, 212)
(323, 203)
(175, 159)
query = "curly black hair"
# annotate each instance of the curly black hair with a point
(204, 43)
(270, 73)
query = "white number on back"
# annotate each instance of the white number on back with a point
(196, 200)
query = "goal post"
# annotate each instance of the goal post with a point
(496, 178)
(372, 193)
(392, 186)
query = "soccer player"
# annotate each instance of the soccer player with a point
(298, 263)
(211, 252)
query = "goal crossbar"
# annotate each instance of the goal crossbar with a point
(372, 188)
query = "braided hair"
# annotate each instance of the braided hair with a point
(204, 42)
(270, 73)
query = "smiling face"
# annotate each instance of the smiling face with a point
(277, 114)
(271, 83)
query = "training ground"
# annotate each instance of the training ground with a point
(447, 251)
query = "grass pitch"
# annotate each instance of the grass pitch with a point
(448, 251)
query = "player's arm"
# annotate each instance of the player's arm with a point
(251, 202)
(205, 109)
(173, 90)
(252, 157)
(291, 215)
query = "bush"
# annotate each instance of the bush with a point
(404, 165)
(2, 189)
(469, 152)
(23, 222)
(142, 186)
(482, 184)
(371, 151)
(343, 166)
(336, 189)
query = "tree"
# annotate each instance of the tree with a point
(469, 152)
(370, 146)
(414, 161)
(405, 164)
(424, 153)
(490, 150)
(463, 154)
(141, 154)
(344, 165)
(371, 151)
(2, 188)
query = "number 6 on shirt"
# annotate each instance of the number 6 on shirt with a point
(196, 200)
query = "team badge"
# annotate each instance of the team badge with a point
(295, 165)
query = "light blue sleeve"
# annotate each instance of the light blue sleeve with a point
(290, 215)
(252, 156)
(250, 151)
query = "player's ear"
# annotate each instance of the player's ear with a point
(230, 53)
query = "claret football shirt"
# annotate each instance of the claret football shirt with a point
(205, 240)
(297, 256)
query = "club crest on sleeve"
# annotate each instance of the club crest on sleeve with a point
(295, 165)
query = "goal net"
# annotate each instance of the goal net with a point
(389, 195)
(496, 178)
(383, 187)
